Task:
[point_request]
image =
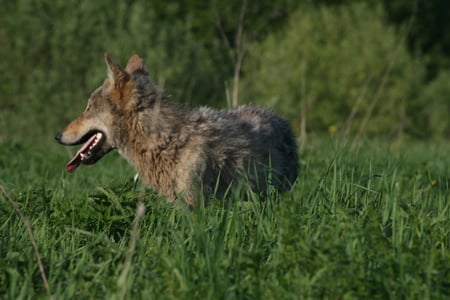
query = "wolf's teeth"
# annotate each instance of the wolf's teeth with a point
(83, 156)
(97, 138)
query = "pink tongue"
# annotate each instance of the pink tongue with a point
(73, 164)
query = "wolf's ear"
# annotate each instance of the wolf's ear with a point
(136, 64)
(115, 73)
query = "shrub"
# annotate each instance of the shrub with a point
(329, 57)
(430, 116)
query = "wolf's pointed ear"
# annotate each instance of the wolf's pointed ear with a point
(136, 64)
(115, 73)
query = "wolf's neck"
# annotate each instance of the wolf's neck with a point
(153, 139)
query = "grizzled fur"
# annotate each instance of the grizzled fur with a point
(177, 151)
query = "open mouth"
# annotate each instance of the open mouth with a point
(87, 153)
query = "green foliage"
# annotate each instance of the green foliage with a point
(329, 58)
(433, 120)
(52, 53)
(332, 56)
(369, 224)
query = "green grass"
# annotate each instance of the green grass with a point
(367, 224)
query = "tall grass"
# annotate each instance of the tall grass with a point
(367, 224)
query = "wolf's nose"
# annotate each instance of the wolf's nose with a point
(58, 136)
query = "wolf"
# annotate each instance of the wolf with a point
(176, 151)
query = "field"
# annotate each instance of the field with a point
(368, 218)
(369, 223)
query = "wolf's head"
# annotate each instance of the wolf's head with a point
(104, 122)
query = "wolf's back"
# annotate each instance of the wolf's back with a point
(251, 142)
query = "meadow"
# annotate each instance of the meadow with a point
(367, 218)
(366, 223)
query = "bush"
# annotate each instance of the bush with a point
(431, 118)
(52, 57)
(328, 58)
(52, 52)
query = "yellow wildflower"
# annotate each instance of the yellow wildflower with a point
(332, 129)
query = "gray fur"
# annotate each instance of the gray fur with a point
(179, 152)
